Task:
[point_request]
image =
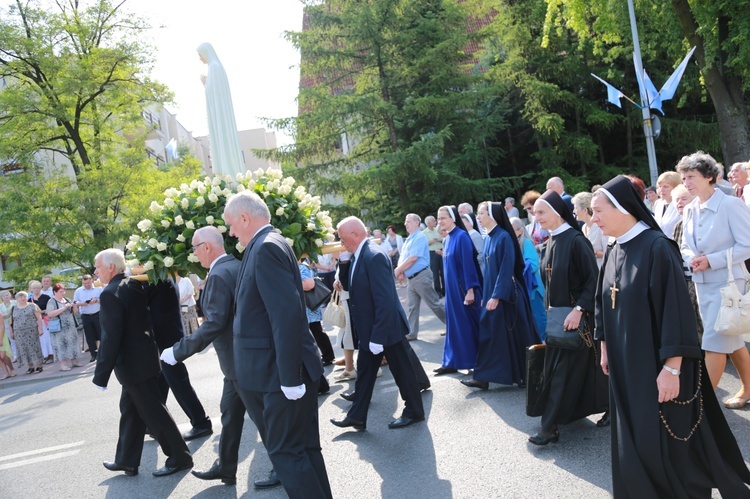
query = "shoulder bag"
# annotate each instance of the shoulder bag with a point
(318, 295)
(334, 312)
(734, 314)
(54, 325)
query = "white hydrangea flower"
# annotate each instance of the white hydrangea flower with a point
(185, 188)
(289, 241)
(216, 180)
(149, 265)
(185, 203)
(192, 258)
(213, 197)
(169, 202)
(239, 247)
(274, 173)
(227, 192)
(155, 207)
(178, 220)
(278, 231)
(258, 173)
(240, 176)
(200, 201)
(135, 238)
(207, 180)
(310, 226)
(202, 189)
(222, 228)
(152, 242)
(168, 261)
(189, 224)
(240, 188)
(144, 225)
(288, 181)
(171, 192)
(180, 238)
(285, 190)
(330, 238)
(273, 185)
(165, 223)
(319, 243)
(216, 190)
(161, 246)
(194, 184)
(251, 184)
(210, 220)
(132, 263)
(131, 245)
(279, 211)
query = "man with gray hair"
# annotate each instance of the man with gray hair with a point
(129, 349)
(465, 208)
(510, 208)
(556, 184)
(275, 357)
(739, 178)
(414, 267)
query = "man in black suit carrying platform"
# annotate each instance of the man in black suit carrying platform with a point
(277, 362)
(216, 328)
(128, 347)
(380, 323)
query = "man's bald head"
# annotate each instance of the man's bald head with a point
(351, 232)
(556, 184)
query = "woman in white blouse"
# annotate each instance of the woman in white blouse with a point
(582, 212)
(665, 212)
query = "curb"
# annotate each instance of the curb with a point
(29, 379)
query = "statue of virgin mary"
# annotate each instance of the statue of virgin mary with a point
(226, 154)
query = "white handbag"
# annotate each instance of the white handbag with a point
(734, 314)
(334, 313)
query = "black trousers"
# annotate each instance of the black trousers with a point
(401, 367)
(92, 329)
(289, 429)
(177, 378)
(232, 422)
(323, 341)
(436, 265)
(141, 404)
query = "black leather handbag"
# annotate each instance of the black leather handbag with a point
(557, 336)
(318, 295)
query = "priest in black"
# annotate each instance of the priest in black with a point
(574, 386)
(669, 435)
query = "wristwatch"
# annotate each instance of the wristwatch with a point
(579, 308)
(670, 370)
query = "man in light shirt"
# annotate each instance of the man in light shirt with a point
(87, 299)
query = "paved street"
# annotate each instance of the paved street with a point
(55, 432)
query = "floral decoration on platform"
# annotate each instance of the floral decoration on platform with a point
(163, 243)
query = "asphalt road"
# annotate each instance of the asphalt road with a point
(55, 432)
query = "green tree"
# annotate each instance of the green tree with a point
(75, 84)
(393, 79)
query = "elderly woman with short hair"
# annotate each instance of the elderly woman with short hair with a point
(665, 212)
(582, 212)
(712, 224)
(65, 338)
(26, 328)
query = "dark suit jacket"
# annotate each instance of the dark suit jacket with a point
(272, 341)
(127, 344)
(165, 314)
(377, 314)
(218, 306)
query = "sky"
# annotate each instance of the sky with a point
(248, 38)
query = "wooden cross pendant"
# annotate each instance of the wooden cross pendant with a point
(614, 289)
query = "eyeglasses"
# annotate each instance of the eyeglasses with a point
(195, 246)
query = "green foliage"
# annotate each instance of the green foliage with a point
(76, 81)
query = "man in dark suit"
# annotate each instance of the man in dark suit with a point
(278, 365)
(380, 323)
(128, 347)
(218, 307)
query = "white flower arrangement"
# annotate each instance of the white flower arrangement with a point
(164, 245)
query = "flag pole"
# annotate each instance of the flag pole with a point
(645, 109)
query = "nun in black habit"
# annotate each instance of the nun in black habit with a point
(669, 435)
(574, 386)
(506, 323)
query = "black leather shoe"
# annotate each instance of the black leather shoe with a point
(540, 439)
(425, 387)
(604, 421)
(444, 370)
(473, 383)
(270, 482)
(214, 473)
(347, 422)
(130, 471)
(403, 422)
(168, 470)
(194, 433)
(348, 396)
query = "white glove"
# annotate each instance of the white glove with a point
(102, 388)
(168, 356)
(375, 348)
(294, 392)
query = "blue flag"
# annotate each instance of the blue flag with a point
(670, 87)
(654, 100)
(613, 95)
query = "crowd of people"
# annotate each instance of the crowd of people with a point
(619, 286)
